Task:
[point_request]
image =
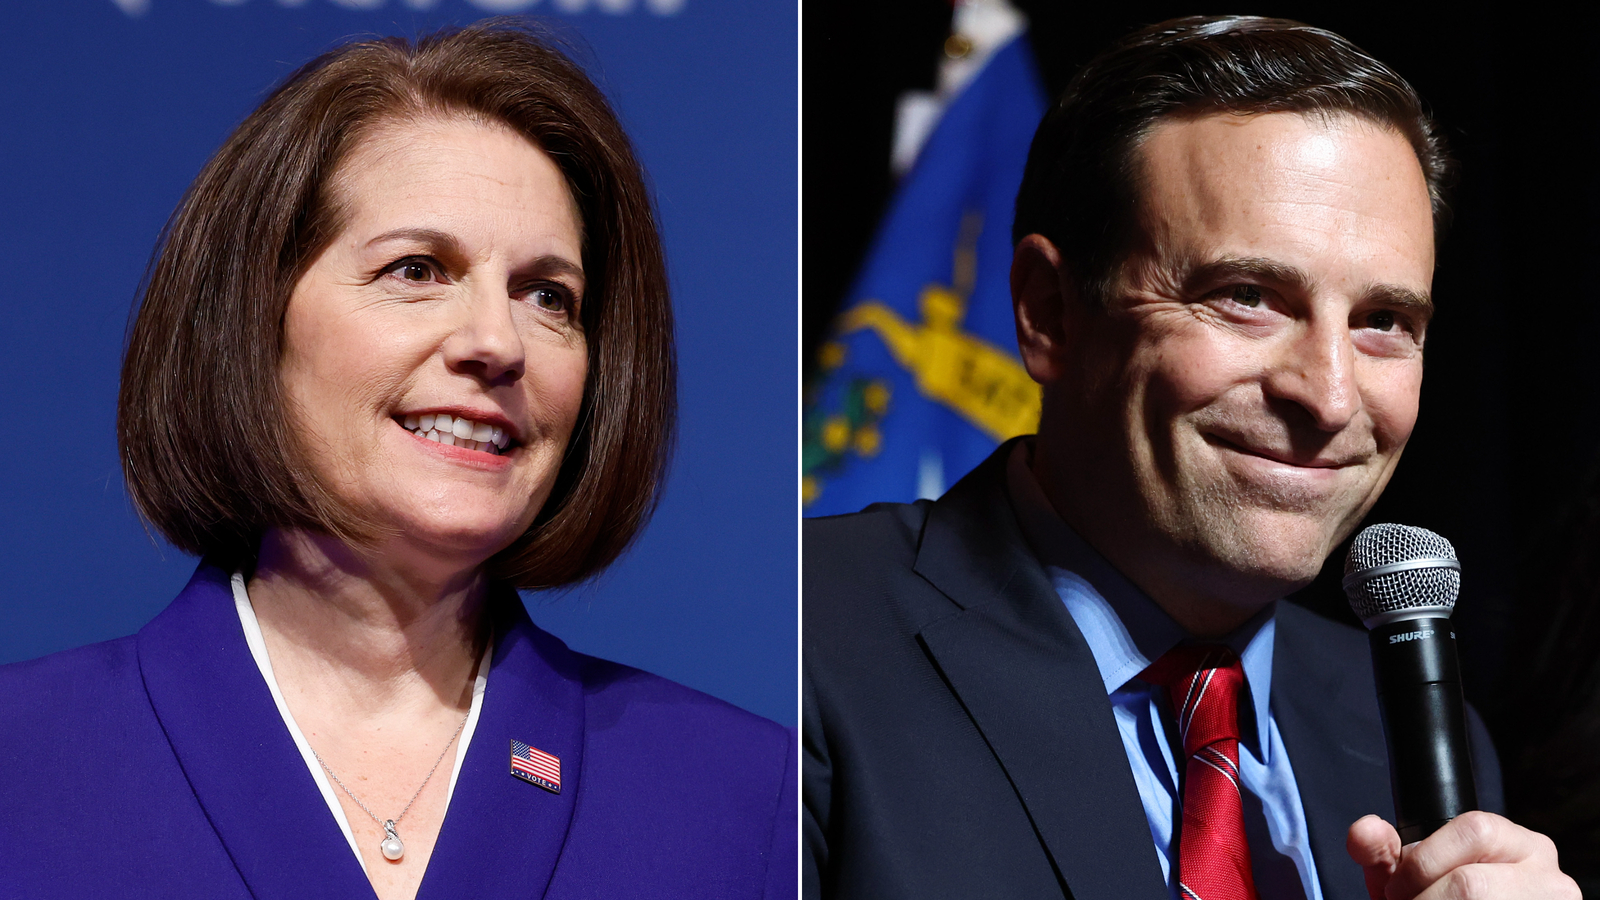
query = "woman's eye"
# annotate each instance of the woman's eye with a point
(1246, 295)
(551, 298)
(419, 271)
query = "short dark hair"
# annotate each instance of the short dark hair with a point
(203, 454)
(1080, 188)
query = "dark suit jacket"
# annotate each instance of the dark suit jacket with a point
(958, 738)
(158, 766)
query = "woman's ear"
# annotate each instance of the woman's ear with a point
(1043, 300)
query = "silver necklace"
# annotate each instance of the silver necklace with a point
(392, 846)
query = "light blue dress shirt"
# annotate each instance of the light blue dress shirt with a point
(1126, 631)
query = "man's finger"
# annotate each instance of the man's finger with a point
(1468, 840)
(1375, 846)
(1501, 881)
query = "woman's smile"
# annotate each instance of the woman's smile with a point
(459, 431)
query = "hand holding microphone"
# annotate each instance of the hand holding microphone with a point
(1402, 583)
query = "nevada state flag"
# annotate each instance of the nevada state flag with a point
(920, 379)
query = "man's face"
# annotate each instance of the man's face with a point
(1256, 376)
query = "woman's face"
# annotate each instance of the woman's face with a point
(433, 357)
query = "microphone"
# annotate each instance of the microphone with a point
(1402, 583)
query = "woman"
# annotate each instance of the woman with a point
(406, 347)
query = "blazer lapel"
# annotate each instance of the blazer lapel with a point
(503, 836)
(1028, 680)
(1324, 705)
(237, 754)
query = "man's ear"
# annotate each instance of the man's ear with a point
(1042, 301)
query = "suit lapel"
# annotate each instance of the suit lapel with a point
(236, 752)
(1028, 680)
(502, 836)
(1325, 710)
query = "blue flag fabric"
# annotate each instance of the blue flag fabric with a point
(921, 379)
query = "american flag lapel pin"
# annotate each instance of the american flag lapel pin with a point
(536, 766)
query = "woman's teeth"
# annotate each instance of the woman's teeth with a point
(459, 432)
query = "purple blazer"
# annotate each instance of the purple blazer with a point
(157, 766)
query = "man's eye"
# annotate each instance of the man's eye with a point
(1246, 295)
(1382, 320)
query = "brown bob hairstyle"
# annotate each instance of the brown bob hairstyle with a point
(201, 411)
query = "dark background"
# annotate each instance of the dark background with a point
(1509, 425)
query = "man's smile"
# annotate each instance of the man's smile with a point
(1321, 460)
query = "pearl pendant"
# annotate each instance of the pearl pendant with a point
(392, 846)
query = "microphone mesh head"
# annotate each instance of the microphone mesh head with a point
(1382, 545)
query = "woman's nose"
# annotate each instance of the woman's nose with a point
(485, 343)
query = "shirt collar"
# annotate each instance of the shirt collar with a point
(1124, 628)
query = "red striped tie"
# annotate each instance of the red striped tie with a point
(1213, 858)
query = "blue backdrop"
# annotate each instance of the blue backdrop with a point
(108, 108)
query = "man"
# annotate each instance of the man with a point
(1224, 252)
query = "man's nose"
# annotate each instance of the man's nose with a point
(1315, 370)
(485, 342)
